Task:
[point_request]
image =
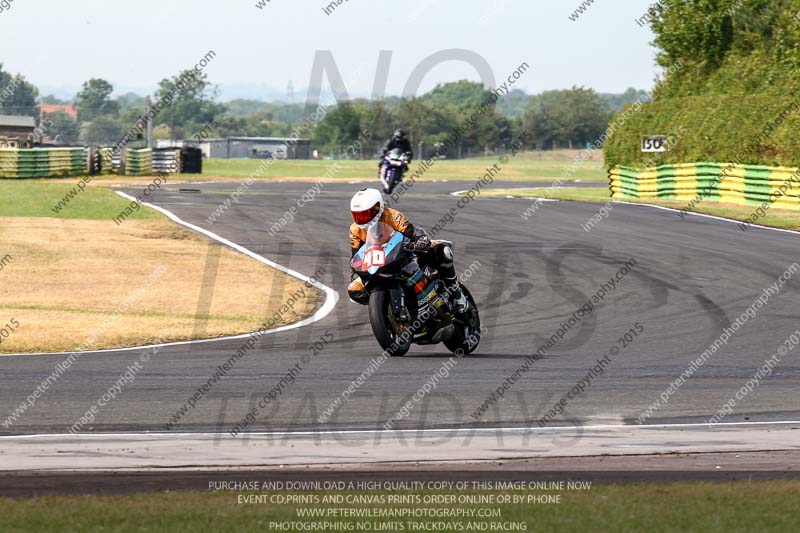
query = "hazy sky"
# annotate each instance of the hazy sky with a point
(59, 44)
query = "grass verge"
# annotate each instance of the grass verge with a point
(528, 166)
(774, 218)
(80, 281)
(524, 167)
(40, 198)
(577, 194)
(703, 507)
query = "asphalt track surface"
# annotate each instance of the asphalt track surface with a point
(692, 279)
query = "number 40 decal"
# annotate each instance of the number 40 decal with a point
(374, 257)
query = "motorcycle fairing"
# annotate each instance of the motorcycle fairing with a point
(391, 248)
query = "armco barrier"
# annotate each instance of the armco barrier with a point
(722, 182)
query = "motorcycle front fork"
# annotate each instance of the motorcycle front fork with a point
(399, 305)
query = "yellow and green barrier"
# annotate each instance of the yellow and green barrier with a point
(722, 182)
(139, 162)
(103, 163)
(18, 163)
(42, 162)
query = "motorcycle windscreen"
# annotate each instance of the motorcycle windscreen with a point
(396, 155)
(383, 247)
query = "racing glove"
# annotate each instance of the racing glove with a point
(421, 244)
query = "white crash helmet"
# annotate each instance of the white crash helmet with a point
(366, 206)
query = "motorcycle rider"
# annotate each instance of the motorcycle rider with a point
(366, 207)
(398, 140)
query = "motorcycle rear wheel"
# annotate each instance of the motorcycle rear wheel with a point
(395, 344)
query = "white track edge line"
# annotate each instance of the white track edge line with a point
(621, 202)
(793, 232)
(619, 427)
(331, 296)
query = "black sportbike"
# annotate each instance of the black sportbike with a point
(408, 303)
(391, 172)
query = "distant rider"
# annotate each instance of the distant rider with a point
(398, 140)
(366, 207)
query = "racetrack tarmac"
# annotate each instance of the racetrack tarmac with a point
(708, 467)
(692, 278)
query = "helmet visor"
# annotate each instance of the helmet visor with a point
(366, 216)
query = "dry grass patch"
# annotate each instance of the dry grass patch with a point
(92, 284)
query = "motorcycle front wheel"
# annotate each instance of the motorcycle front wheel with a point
(394, 339)
(391, 181)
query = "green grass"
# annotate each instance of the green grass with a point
(702, 507)
(35, 198)
(774, 218)
(577, 194)
(522, 167)
(168, 314)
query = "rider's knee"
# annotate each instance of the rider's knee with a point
(444, 255)
(357, 292)
(447, 253)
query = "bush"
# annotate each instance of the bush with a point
(720, 128)
(733, 99)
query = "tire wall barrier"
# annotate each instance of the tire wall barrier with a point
(722, 182)
(166, 160)
(16, 163)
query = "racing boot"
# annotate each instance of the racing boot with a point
(448, 274)
(460, 303)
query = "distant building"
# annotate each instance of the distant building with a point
(69, 109)
(248, 147)
(17, 127)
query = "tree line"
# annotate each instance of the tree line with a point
(570, 118)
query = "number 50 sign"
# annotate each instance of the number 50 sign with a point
(654, 143)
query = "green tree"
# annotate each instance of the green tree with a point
(618, 101)
(571, 117)
(190, 102)
(340, 128)
(62, 128)
(162, 131)
(130, 100)
(17, 96)
(514, 103)
(94, 100)
(103, 130)
(52, 99)
(460, 94)
(701, 31)
(380, 121)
